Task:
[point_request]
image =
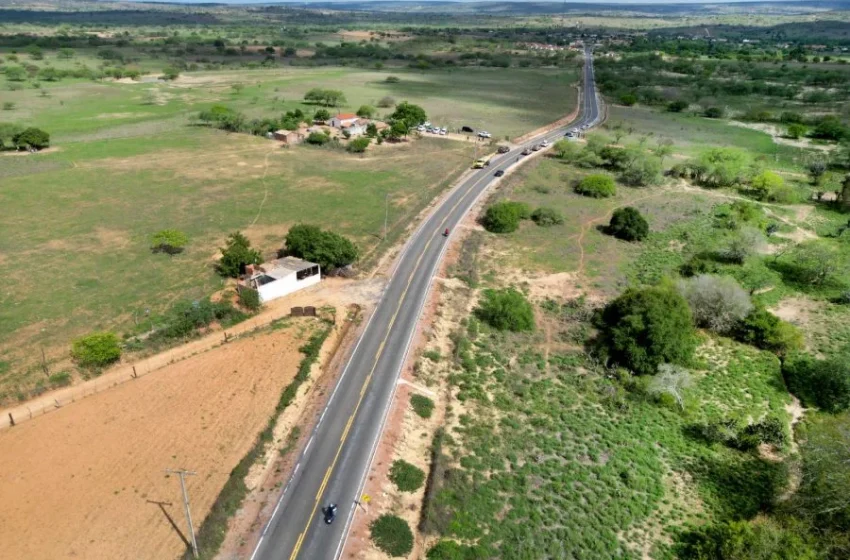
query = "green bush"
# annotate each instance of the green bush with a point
(61, 379)
(644, 328)
(326, 248)
(743, 540)
(406, 477)
(764, 330)
(169, 241)
(33, 138)
(504, 217)
(422, 405)
(627, 224)
(545, 217)
(450, 550)
(597, 186)
(237, 253)
(184, 318)
(822, 383)
(318, 138)
(506, 310)
(250, 299)
(714, 112)
(358, 145)
(96, 350)
(392, 535)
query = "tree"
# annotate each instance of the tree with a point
(566, 150)
(670, 380)
(547, 217)
(628, 99)
(49, 74)
(32, 138)
(398, 130)
(322, 115)
(714, 113)
(641, 171)
(358, 145)
(392, 535)
(504, 217)
(830, 127)
(371, 130)
(817, 168)
(678, 106)
(8, 131)
(716, 302)
(663, 150)
(766, 184)
(743, 244)
(627, 224)
(764, 330)
(764, 539)
(327, 97)
(386, 102)
(796, 131)
(15, 73)
(169, 241)
(96, 350)
(646, 327)
(366, 112)
(597, 186)
(816, 262)
(506, 310)
(822, 383)
(169, 73)
(721, 167)
(326, 248)
(408, 113)
(237, 253)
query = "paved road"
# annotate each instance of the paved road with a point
(334, 463)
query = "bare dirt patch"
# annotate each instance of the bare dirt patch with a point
(87, 481)
(797, 310)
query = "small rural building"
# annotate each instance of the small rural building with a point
(288, 137)
(343, 120)
(357, 128)
(280, 277)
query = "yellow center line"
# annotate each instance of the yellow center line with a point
(374, 366)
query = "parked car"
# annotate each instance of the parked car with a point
(484, 134)
(499, 173)
(420, 128)
(503, 149)
(443, 131)
(545, 143)
(536, 147)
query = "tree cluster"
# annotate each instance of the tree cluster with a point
(326, 248)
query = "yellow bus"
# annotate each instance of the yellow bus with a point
(482, 161)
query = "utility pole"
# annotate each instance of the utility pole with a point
(182, 473)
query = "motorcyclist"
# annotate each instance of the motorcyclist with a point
(446, 233)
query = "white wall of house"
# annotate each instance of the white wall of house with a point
(336, 122)
(286, 285)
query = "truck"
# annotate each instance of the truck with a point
(483, 161)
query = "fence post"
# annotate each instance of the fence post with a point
(134, 372)
(11, 420)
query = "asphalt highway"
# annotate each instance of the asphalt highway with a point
(334, 464)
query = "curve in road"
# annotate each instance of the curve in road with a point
(337, 457)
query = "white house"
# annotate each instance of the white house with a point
(281, 277)
(356, 128)
(343, 120)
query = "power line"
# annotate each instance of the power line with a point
(182, 473)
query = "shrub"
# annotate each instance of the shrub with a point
(765, 185)
(96, 350)
(386, 102)
(823, 383)
(597, 186)
(677, 106)
(250, 299)
(321, 115)
(744, 540)
(769, 430)
(169, 241)
(627, 224)
(765, 330)
(628, 99)
(33, 138)
(406, 477)
(169, 73)
(422, 405)
(326, 248)
(392, 535)
(504, 217)
(545, 217)
(743, 244)
(318, 138)
(644, 328)
(366, 112)
(358, 145)
(237, 253)
(506, 310)
(450, 550)
(717, 302)
(796, 131)
(713, 112)
(184, 318)
(61, 379)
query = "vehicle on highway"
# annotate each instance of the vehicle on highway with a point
(483, 161)
(446, 233)
(330, 513)
(536, 147)
(544, 144)
(570, 134)
(503, 149)
(526, 152)
(499, 173)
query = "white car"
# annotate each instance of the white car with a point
(420, 128)
(484, 134)
(443, 131)
(545, 143)
(427, 124)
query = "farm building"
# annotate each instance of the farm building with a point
(280, 277)
(289, 137)
(357, 128)
(343, 120)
